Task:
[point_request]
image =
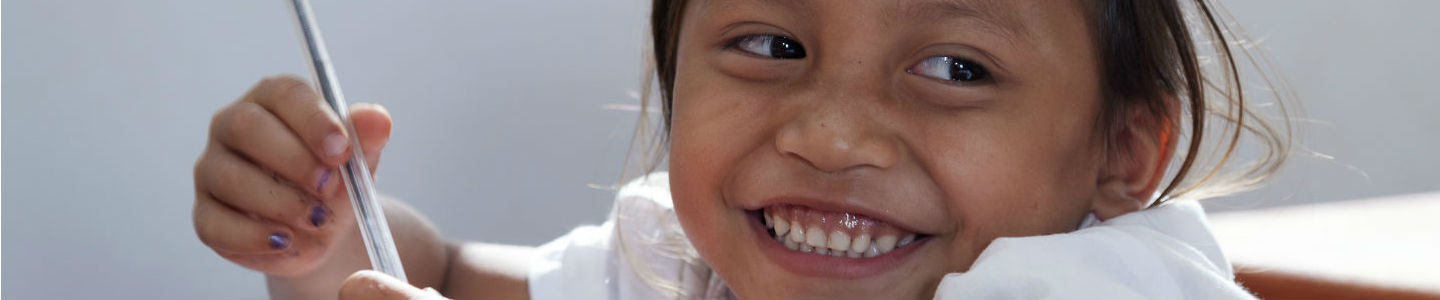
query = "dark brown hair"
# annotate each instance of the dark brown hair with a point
(1153, 58)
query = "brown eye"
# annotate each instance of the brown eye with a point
(771, 46)
(952, 69)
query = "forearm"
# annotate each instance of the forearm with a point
(488, 271)
(422, 250)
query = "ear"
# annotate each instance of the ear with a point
(1136, 157)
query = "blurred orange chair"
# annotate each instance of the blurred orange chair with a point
(1382, 248)
(1277, 285)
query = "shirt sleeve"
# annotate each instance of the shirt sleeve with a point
(578, 265)
(1161, 253)
(639, 253)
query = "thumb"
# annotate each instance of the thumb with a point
(367, 284)
(372, 126)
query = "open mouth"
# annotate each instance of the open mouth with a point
(807, 230)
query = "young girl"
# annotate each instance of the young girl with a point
(821, 149)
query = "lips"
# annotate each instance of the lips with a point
(830, 243)
(840, 234)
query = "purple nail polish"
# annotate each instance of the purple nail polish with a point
(318, 214)
(279, 241)
(324, 179)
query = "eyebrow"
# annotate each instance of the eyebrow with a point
(997, 21)
(932, 11)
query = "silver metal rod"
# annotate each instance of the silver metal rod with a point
(356, 173)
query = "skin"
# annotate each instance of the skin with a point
(1019, 154)
(261, 174)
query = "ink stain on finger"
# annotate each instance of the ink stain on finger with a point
(318, 215)
(324, 179)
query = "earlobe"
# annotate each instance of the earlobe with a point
(1114, 198)
(1135, 163)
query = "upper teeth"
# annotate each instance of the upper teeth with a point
(837, 242)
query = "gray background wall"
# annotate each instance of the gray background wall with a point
(499, 126)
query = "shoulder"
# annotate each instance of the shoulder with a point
(1162, 252)
(644, 205)
(656, 260)
(640, 252)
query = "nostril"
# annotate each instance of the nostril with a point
(838, 146)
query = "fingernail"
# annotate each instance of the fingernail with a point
(334, 145)
(324, 179)
(318, 215)
(279, 241)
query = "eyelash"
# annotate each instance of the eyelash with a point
(949, 68)
(960, 70)
(769, 46)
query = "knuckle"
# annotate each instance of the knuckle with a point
(242, 119)
(285, 77)
(281, 82)
(221, 119)
(205, 231)
(205, 167)
(199, 169)
(206, 236)
(202, 173)
(284, 88)
(224, 174)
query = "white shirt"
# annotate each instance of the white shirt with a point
(1166, 252)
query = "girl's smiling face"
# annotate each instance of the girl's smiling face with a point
(900, 137)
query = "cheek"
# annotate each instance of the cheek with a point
(1016, 175)
(695, 167)
(712, 128)
(715, 121)
(695, 162)
(702, 144)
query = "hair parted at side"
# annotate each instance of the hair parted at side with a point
(1151, 53)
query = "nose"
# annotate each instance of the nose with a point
(833, 137)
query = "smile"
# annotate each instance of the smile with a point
(837, 234)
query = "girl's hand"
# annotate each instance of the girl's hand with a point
(268, 193)
(368, 284)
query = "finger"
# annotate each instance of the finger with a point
(297, 105)
(231, 232)
(255, 133)
(240, 184)
(372, 126)
(367, 284)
